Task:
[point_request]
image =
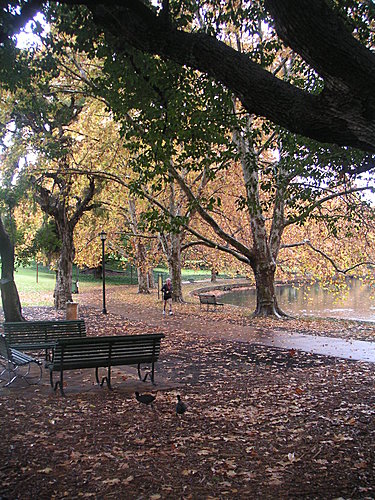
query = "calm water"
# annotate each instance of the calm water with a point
(313, 301)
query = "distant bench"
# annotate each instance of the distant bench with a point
(37, 335)
(104, 352)
(209, 300)
(14, 360)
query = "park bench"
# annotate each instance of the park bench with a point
(37, 335)
(104, 352)
(14, 360)
(209, 300)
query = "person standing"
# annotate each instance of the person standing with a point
(166, 290)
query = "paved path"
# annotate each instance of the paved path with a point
(359, 350)
(329, 346)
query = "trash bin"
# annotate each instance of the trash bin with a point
(72, 310)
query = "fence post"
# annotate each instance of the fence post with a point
(160, 283)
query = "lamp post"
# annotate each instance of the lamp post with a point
(103, 237)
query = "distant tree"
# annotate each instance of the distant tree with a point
(56, 201)
(39, 145)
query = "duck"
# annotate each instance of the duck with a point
(180, 406)
(146, 399)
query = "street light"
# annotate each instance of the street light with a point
(103, 237)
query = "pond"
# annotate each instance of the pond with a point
(357, 303)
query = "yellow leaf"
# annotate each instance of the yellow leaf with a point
(204, 452)
(231, 473)
(47, 470)
(112, 481)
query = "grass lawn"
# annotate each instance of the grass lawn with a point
(36, 289)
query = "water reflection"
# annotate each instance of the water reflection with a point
(354, 303)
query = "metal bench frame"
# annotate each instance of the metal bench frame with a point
(14, 360)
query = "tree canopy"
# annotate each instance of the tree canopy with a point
(333, 42)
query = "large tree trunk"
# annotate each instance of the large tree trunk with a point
(175, 268)
(142, 270)
(64, 276)
(9, 294)
(140, 251)
(265, 289)
(171, 244)
(151, 279)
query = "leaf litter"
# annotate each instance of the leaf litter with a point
(261, 423)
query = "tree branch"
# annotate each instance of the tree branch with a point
(310, 208)
(207, 218)
(327, 257)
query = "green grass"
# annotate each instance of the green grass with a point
(26, 280)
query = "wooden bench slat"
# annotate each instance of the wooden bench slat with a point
(108, 351)
(35, 335)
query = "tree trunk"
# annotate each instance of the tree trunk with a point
(151, 279)
(142, 271)
(171, 244)
(213, 275)
(172, 248)
(64, 276)
(265, 249)
(9, 294)
(140, 251)
(174, 266)
(267, 304)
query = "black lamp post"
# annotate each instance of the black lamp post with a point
(103, 237)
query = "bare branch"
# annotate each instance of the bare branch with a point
(327, 257)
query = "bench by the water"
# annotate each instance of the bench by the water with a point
(14, 360)
(209, 300)
(104, 352)
(37, 335)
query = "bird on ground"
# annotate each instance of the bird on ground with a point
(180, 406)
(146, 399)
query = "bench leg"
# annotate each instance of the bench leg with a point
(106, 379)
(58, 383)
(28, 371)
(13, 372)
(11, 369)
(148, 374)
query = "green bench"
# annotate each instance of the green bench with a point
(104, 352)
(209, 300)
(38, 335)
(14, 360)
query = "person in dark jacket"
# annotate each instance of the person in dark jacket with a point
(167, 296)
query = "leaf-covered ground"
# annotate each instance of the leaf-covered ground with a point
(261, 422)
